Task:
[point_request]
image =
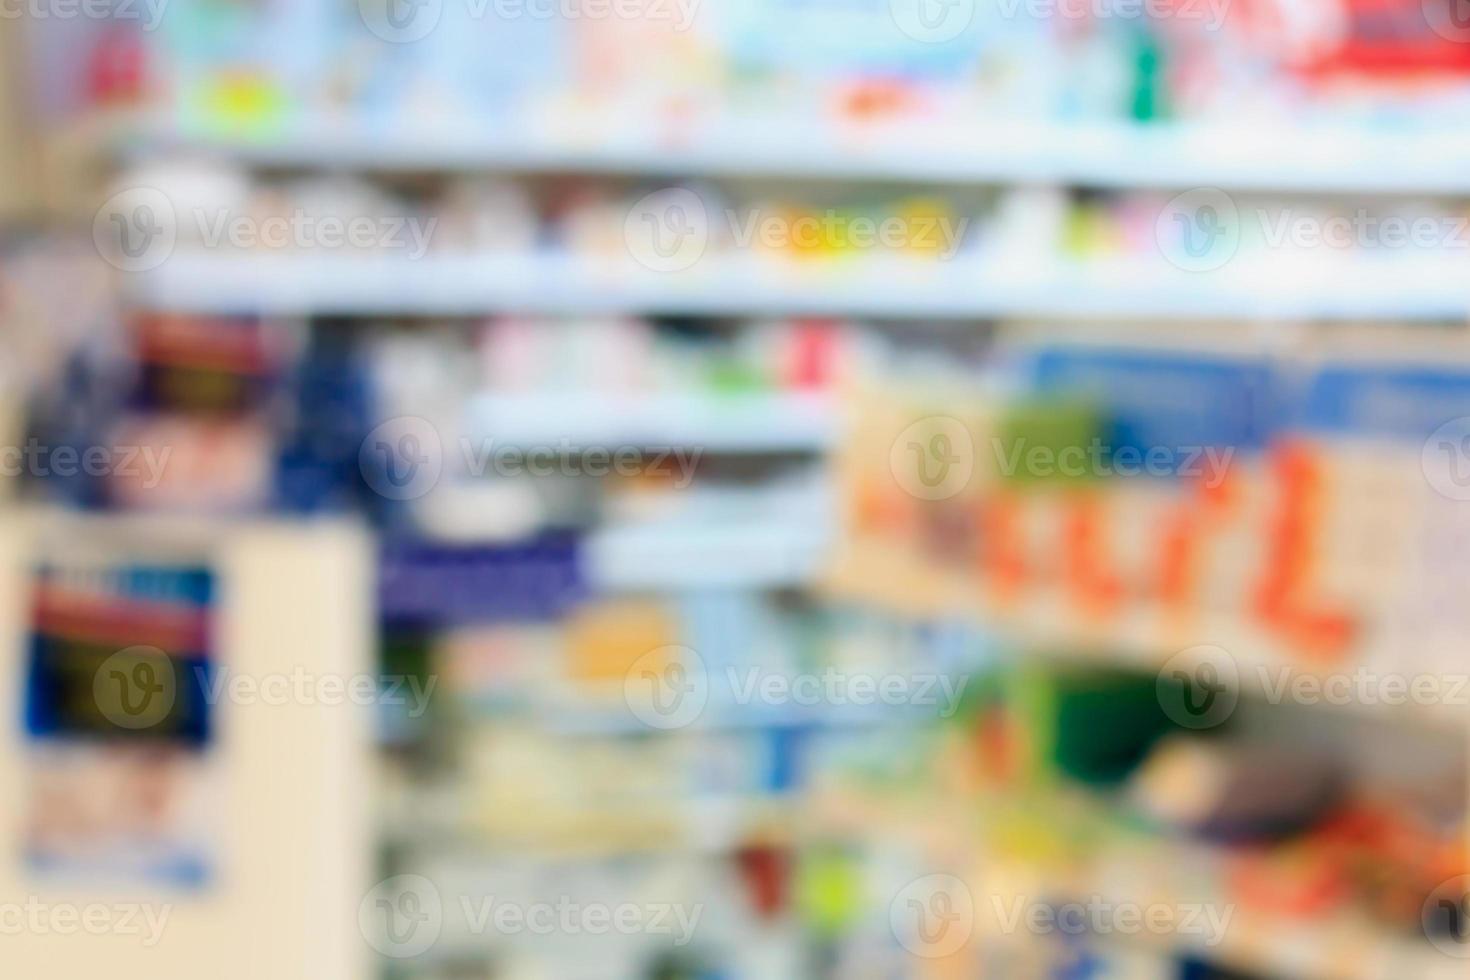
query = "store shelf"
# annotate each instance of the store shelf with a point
(1267, 156)
(1340, 947)
(1345, 949)
(1145, 641)
(1156, 872)
(667, 557)
(1144, 636)
(599, 719)
(474, 285)
(707, 824)
(734, 423)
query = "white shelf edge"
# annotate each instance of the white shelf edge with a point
(758, 422)
(748, 554)
(475, 285)
(1102, 153)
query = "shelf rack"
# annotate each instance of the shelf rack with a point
(1164, 159)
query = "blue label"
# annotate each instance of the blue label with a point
(1169, 401)
(426, 585)
(1407, 402)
